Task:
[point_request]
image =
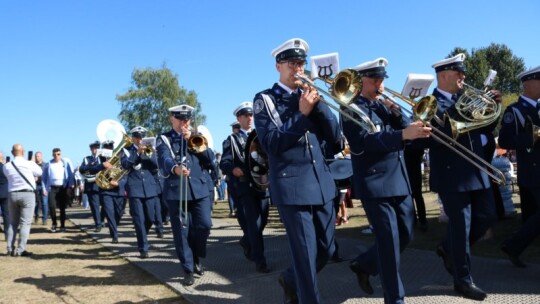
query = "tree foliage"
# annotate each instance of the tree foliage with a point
(497, 57)
(151, 94)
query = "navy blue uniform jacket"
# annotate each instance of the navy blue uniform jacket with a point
(140, 180)
(516, 133)
(171, 150)
(298, 172)
(377, 158)
(449, 172)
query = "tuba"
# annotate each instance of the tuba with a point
(257, 163)
(112, 130)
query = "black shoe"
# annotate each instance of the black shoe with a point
(198, 269)
(115, 240)
(144, 255)
(166, 223)
(262, 268)
(470, 291)
(98, 229)
(159, 235)
(247, 250)
(53, 228)
(362, 276)
(516, 261)
(290, 296)
(446, 259)
(189, 279)
(24, 254)
(62, 229)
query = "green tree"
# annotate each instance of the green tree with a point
(151, 94)
(497, 57)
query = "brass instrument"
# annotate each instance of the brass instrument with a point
(112, 130)
(477, 108)
(344, 88)
(115, 173)
(197, 144)
(425, 110)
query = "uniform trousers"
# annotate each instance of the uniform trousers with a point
(144, 212)
(113, 208)
(165, 217)
(310, 232)
(93, 201)
(470, 215)
(530, 229)
(528, 203)
(256, 216)
(4, 207)
(58, 198)
(392, 219)
(21, 209)
(190, 233)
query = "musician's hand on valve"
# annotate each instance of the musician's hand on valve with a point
(416, 130)
(107, 165)
(497, 96)
(114, 183)
(308, 100)
(238, 172)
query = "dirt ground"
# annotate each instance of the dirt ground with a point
(71, 267)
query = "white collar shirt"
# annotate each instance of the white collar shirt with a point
(28, 168)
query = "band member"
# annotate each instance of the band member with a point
(142, 188)
(90, 166)
(186, 174)
(253, 201)
(519, 132)
(380, 180)
(112, 199)
(459, 183)
(291, 126)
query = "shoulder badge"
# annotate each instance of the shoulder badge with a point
(508, 117)
(258, 105)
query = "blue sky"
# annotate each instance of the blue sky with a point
(62, 63)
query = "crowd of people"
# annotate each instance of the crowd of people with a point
(288, 149)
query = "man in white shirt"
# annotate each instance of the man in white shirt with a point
(20, 174)
(58, 183)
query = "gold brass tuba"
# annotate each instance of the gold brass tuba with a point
(112, 130)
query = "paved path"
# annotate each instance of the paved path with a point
(230, 278)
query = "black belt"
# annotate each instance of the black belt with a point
(57, 187)
(23, 190)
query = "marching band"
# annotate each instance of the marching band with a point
(278, 154)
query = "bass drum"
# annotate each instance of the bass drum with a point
(341, 170)
(257, 163)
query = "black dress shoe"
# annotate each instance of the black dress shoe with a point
(470, 291)
(262, 268)
(362, 276)
(446, 259)
(289, 294)
(516, 261)
(189, 279)
(198, 269)
(115, 240)
(24, 254)
(144, 255)
(245, 247)
(98, 229)
(159, 235)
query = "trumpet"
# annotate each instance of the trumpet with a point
(424, 111)
(345, 87)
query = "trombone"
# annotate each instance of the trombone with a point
(424, 111)
(345, 87)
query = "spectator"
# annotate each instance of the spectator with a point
(42, 200)
(502, 163)
(4, 196)
(20, 174)
(58, 182)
